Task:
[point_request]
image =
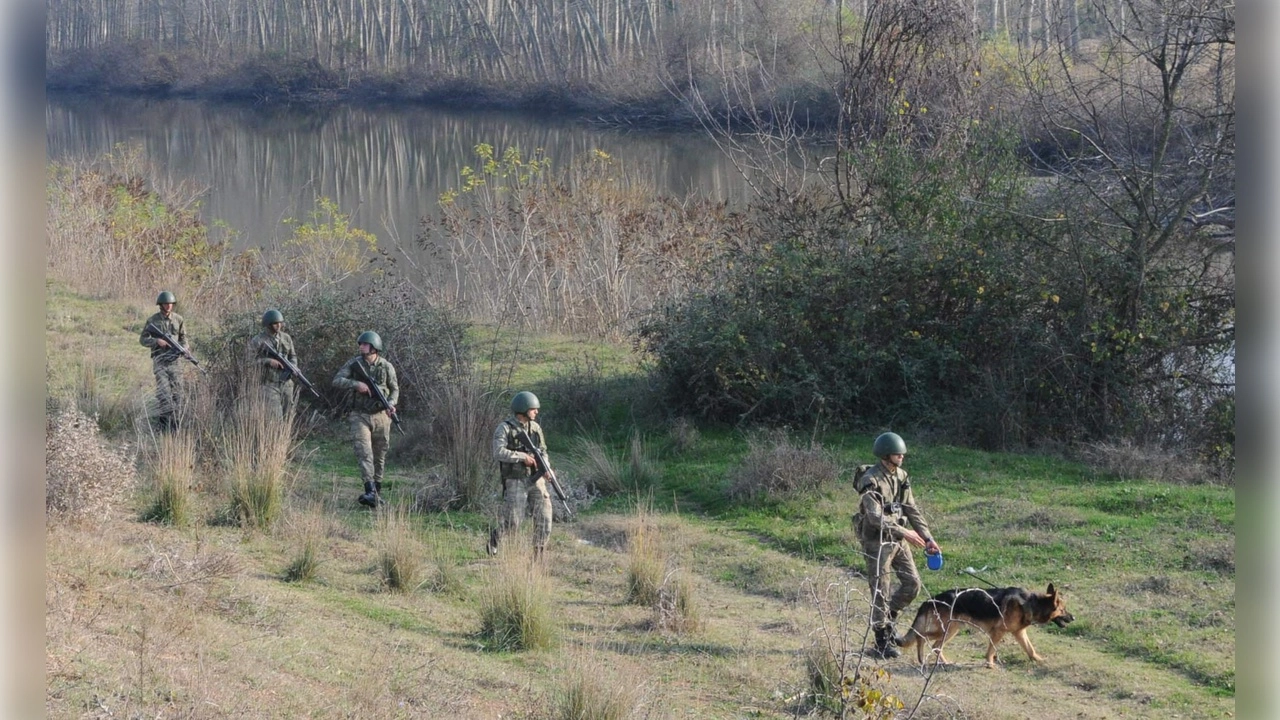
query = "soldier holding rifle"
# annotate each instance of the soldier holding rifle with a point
(166, 336)
(272, 350)
(375, 390)
(523, 483)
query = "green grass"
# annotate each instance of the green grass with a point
(1147, 568)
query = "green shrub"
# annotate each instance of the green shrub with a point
(944, 309)
(422, 341)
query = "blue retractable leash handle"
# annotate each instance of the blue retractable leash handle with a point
(934, 561)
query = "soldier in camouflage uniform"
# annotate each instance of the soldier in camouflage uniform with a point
(515, 468)
(278, 390)
(885, 510)
(166, 362)
(370, 422)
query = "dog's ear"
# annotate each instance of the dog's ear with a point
(1050, 591)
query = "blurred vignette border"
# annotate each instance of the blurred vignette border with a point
(1257, 428)
(22, 157)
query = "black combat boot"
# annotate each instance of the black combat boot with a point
(886, 643)
(370, 496)
(377, 491)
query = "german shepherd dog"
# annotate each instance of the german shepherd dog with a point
(997, 612)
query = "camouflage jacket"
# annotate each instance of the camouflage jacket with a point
(282, 344)
(382, 373)
(172, 325)
(886, 505)
(507, 449)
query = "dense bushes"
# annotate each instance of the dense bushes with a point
(422, 341)
(991, 328)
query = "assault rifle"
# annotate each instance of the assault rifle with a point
(174, 345)
(291, 368)
(377, 393)
(544, 467)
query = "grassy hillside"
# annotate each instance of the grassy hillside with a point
(199, 620)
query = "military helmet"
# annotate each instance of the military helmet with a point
(371, 337)
(272, 316)
(166, 297)
(523, 402)
(889, 444)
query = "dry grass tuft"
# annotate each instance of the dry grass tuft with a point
(173, 570)
(683, 435)
(309, 529)
(84, 477)
(401, 566)
(256, 452)
(445, 575)
(113, 409)
(605, 474)
(676, 610)
(589, 694)
(1128, 461)
(172, 471)
(516, 608)
(775, 468)
(462, 430)
(823, 674)
(646, 561)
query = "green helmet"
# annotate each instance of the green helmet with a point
(166, 297)
(523, 402)
(371, 337)
(889, 444)
(272, 316)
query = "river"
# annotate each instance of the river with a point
(385, 166)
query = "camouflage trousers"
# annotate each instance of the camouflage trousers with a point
(278, 399)
(169, 388)
(884, 559)
(518, 495)
(370, 438)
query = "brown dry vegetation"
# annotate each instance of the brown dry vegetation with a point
(154, 621)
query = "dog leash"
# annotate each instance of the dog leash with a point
(974, 573)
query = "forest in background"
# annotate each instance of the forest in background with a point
(622, 55)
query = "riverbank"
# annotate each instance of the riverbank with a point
(306, 83)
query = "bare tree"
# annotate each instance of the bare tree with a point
(1140, 144)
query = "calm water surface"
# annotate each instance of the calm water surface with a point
(384, 166)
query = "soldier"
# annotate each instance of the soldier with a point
(885, 509)
(370, 420)
(515, 468)
(277, 382)
(166, 361)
